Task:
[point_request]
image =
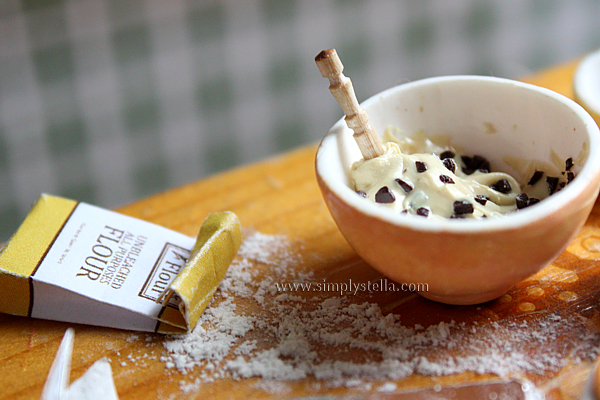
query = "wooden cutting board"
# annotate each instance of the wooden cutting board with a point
(553, 316)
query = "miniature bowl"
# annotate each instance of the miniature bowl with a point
(586, 84)
(466, 261)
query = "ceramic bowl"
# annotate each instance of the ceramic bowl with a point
(465, 261)
(586, 84)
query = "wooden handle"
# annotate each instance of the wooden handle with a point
(331, 67)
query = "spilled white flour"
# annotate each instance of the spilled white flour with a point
(251, 330)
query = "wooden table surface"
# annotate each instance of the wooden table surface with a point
(280, 196)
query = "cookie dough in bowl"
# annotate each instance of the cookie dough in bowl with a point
(519, 129)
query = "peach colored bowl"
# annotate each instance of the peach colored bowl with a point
(468, 261)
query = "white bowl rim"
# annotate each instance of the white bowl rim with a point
(586, 176)
(588, 68)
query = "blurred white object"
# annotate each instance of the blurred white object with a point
(586, 84)
(57, 381)
(96, 383)
(591, 385)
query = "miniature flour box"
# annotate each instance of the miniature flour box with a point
(74, 262)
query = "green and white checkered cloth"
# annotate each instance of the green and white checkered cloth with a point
(108, 101)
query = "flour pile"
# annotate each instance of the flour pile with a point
(289, 336)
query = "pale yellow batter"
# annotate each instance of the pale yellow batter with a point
(418, 176)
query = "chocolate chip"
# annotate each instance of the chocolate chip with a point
(481, 199)
(570, 176)
(552, 182)
(462, 207)
(525, 201)
(568, 164)
(446, 179)
(422, 211)
(537, 175)
(482, 163)
(447, 154)
(522, 200)
(404, 185)
(450, 164)
(502, 186)
(421, 166)
(475, 163)
(384, 195)
(361, 193)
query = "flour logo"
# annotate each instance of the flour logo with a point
(170, 262)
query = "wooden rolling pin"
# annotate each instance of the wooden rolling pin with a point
(331, 67)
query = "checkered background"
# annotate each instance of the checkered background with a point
(108, 101)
